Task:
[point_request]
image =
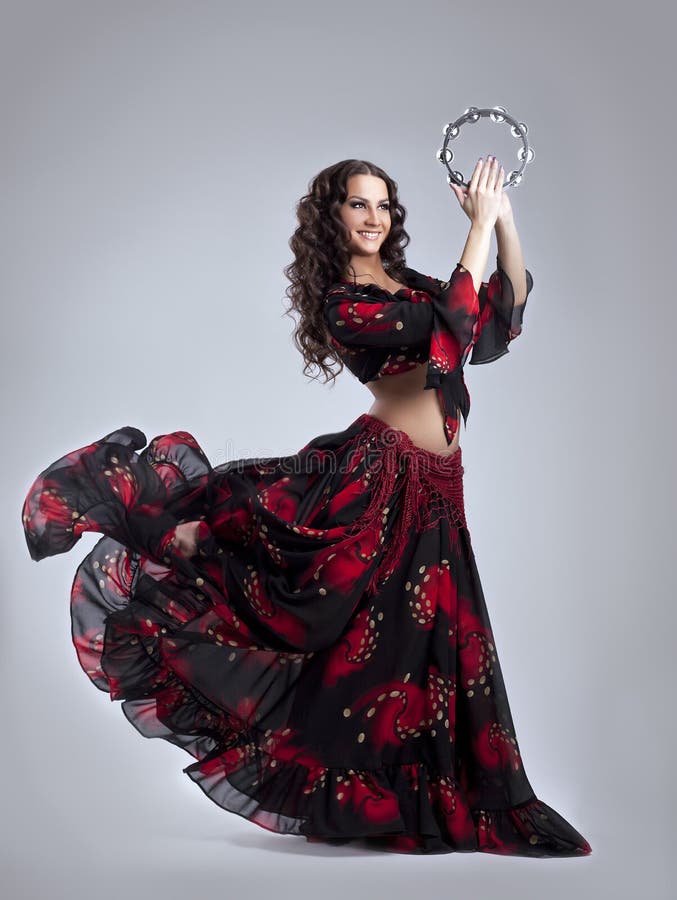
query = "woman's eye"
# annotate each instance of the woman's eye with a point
(357, 203)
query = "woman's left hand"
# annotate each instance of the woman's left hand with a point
(185, 538)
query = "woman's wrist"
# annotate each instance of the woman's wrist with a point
(505, 223)
(476, 251)
(481, 229)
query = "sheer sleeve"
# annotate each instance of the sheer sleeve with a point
(374, 319)
(500, 319)
(364, 316)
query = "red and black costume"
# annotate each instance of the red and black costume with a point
(326, 657)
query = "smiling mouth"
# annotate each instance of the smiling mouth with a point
(370, 235)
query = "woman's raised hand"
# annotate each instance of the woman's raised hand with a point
(481, 200)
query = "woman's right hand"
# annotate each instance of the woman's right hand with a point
(481, 200)
(185, 538)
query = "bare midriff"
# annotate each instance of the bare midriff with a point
(401, 402)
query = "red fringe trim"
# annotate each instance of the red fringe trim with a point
(421, 472)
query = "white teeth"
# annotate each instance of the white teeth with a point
(370, 235)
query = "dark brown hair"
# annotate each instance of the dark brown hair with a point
(321, 257)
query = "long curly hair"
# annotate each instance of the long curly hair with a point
(321, 256)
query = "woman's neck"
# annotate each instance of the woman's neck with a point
(367, 269)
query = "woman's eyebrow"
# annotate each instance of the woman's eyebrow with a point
(356, 197)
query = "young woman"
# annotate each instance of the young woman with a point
(311, 628)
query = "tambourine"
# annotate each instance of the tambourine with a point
(497, 114)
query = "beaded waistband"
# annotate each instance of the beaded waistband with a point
(434, 462)
(422, 473)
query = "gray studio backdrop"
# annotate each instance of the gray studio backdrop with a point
(152, 156)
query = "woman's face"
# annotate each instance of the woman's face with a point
(366, 212)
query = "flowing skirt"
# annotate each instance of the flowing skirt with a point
(325, 657)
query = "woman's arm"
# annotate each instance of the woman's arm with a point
(503, 299)
(476, 252)
(510, 255)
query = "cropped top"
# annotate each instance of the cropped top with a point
(377, 333)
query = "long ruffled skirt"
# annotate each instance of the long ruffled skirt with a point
(326, 656)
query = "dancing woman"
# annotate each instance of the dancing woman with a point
(311, 628)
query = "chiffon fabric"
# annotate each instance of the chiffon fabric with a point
(325, 657)
(444, 324)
